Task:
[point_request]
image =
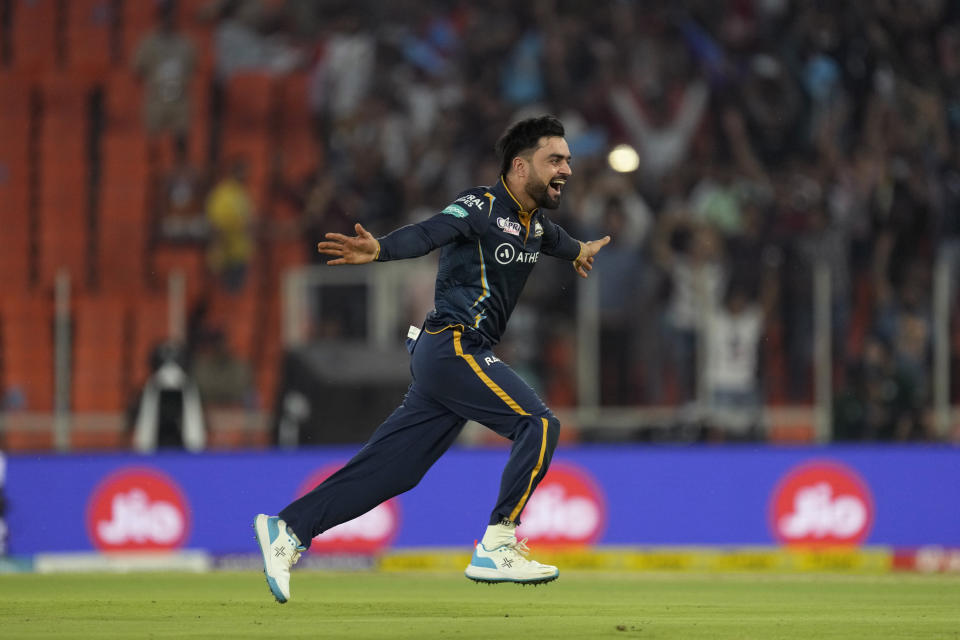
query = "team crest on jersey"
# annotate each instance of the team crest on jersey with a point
(456, 211)
(508, 226)
(537, 229)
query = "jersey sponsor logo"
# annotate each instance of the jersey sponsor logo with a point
(509, 226)
(470, 200)
(491, 360)
(456, 211)
(821, 503)
(507, 253)
(568, 508)
(367, 534)
(137, 509)
(529, 257)
(537, 229)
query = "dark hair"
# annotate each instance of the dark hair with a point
(524, 135)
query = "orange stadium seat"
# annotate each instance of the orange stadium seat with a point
(99, 354)
(199, 139)
(137, 19)
(236, 315)
(90, 25)
(249, 101)
(298, 147)
(123, 100)
(63, 180)
(34, 38)
(294, 94)
(150, 327)
(65, 96)
(189, 260)
(123, 222)
(15, 181)
(26, 349)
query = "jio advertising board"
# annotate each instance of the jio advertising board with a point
(900, 497)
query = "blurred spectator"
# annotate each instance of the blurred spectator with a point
(344, 72)
(620, 279)
(244, 39)
(816, 242)
(660, 123)
(230, 216)
(692, 257)
(773, 136)
(223, 380)
(325, 204)
(169, 411)
(732, 335)
(614, 208)
(182, 188)
(880, 401)
(165, 61)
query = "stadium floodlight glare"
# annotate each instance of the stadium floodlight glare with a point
(623, 159)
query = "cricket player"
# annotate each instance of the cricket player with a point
(490, 239)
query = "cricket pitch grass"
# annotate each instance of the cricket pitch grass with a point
(440, 605)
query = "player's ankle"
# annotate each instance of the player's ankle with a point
(497, 535)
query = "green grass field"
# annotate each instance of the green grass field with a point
(428, 605)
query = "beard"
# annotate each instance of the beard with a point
(541, 193)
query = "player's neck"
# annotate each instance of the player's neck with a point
(515, 187)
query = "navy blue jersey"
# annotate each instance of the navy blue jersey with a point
(489, 245)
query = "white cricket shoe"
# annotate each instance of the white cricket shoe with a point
(280, 549)
(508, 563)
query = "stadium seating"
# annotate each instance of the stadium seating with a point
(27, 350)
(36, 39)
(77, 186)
(100, 357)
(15, 174)
(90, 41)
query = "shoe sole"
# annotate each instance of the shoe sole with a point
(263, 539)
(492, 579)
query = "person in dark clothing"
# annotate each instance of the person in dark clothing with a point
(490, 238)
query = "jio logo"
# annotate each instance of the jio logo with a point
(505, 253)
(821, 503)
(138, 509)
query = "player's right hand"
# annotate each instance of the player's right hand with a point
(360, 249)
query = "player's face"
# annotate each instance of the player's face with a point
(549, 170)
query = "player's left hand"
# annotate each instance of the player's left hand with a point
(584, 263)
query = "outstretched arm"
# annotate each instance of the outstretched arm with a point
(360, 249)
(584, 262)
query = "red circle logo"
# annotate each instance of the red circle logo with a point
(137, 509)
(568, 508)
(821, 504)
(366, 534)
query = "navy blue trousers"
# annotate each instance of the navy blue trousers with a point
(456, 377)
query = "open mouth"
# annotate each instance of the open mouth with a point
(556, 186)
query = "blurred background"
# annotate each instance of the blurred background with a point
(781, 180)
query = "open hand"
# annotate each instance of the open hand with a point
(584, 263)
(360, 249)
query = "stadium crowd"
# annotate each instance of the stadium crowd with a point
(772, 135)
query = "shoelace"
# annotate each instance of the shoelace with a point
(520, 546)
(296, 551)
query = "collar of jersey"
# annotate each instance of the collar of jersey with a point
(524, 216)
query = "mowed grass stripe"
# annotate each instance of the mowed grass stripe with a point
(407, 605)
